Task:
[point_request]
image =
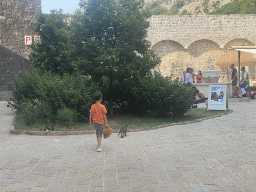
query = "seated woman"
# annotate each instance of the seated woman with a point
(199, 78)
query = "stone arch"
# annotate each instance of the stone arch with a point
(166, 47)
(238, 42)
(201, 46)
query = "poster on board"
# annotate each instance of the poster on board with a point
(217, 97)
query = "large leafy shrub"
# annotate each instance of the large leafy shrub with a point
(66, 116)
(161, 96)
(34, 111)
(72, 91)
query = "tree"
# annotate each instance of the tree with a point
(110, 44)
(237, 7)
(156, 9)
(53, 53)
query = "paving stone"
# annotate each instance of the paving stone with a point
(81, 188)
(211, 155)
(39, 189)
(25, 190)
(54, 187)
(138, 186)
(96, 189)
(96, 182)
(28, 184)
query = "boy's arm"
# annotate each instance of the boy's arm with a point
(90, 119)
(105, 120)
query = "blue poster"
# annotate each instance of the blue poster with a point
(217, 95)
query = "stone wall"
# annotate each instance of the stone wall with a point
(16, 20)
(198, 41)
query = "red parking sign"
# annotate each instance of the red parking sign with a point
(28, 40)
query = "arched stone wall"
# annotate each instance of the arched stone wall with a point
(166, 47)
(204, 39)
(200, 47)
(238, 42)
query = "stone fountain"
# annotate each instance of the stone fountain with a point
(211, 77)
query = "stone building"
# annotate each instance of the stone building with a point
(198, 41)
(16, 20)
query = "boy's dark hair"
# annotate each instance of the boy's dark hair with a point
(97, 96)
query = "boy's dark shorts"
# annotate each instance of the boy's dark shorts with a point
(99, 129)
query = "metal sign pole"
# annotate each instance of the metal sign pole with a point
(238, 67)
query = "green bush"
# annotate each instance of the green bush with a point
(237, 7)
(160, 96)
(72, 91)
(34, 111)
(66, 116)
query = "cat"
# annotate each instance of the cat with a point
(49, 127)
(123, 131)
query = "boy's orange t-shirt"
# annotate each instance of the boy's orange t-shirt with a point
(97, 111)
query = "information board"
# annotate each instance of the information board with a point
(217, 97)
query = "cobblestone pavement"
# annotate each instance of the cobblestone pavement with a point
(213, 155)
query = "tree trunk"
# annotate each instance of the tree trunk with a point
(110, 94)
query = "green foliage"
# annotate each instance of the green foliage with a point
(180, 3)
(216, 4)
(34, 111)
(66, 116)
(53, 53)
(111, 46)
(152, 5)
(110, 42)
(175, 8)
(199, 11)
(185, 12)
(162, 96)
(237, 7)
(206, 10)
(205, 3)
(159, 10)
(156, 9)
(72, 91)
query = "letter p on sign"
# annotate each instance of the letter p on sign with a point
(28, 40)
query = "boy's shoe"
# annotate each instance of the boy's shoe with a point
(99, 149)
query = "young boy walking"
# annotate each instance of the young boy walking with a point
(98, 117)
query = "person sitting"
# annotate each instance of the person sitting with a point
(199, 78)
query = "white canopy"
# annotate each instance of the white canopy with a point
(248, 49)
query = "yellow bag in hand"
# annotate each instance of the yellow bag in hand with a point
(107, 131)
